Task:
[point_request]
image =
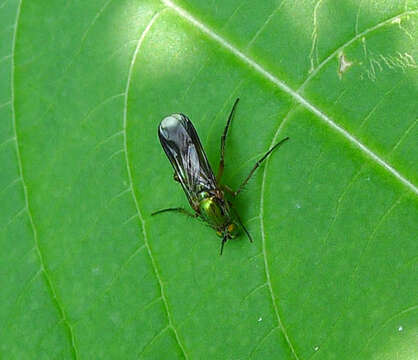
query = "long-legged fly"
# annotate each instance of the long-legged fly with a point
(192, 170)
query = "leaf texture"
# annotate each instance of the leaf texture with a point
(87, 273)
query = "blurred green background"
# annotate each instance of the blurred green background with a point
(86, 273)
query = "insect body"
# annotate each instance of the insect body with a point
(192, 170)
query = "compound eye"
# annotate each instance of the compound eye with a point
(232, 230)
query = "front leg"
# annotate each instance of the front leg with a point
(177, 209)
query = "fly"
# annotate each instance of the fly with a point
(205, 193)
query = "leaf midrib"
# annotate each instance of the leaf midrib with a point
(295, 94)
(302, 101)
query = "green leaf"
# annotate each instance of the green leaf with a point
(87, 273)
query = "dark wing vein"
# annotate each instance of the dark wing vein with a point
(181, 143)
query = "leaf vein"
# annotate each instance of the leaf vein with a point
(155, 337)
(400, 313)
(253, 291)
(130, 178)
(4, 58)
(295, 94)
(351, 41)
(115, 278)
(5, 104)
(7, 141)
(262, 341)
(373, 233)
(404, 135)
(380, 102)
(222, 108)
(351, 277)
(264, 25)
(15, 181)
(41, 256)
(267, 270)
(339, 202)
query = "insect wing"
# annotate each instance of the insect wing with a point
(181, 143)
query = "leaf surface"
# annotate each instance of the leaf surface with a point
(86, 272)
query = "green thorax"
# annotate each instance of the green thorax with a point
(213, 211)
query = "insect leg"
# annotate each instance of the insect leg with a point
(240, 222)
(227, 188)
(223, 243)
(223, 139)
(178, 209)
(257, 164)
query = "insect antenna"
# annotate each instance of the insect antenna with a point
(224, 239)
